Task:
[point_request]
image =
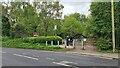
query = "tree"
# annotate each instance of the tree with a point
(71, 26)
(101, 13)
(50, 14)
(25, 18)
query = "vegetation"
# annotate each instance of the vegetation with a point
(22, 19)
(43, 39)
(101, 14)
(17, 43)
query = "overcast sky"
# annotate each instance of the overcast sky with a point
(79, 7)
(72, 6)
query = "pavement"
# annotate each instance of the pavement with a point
(90, 50)
(29, 57)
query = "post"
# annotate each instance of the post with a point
(82, 45)
(73, 43)
(58, 43)
(113, 30)
(46, 42)
(51, 42)
(65, 43)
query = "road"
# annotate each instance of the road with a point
(29, 57)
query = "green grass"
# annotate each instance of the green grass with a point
(17, 43)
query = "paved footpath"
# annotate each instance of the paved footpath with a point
(90, 50)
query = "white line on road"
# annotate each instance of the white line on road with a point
(50, 58)
(68, 62)
(31, 57)
(2, 52)
(61, 64)
(26, 56)
(18, 55)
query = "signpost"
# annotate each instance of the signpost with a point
(35, 34)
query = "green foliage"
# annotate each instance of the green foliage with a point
(17, 43)
(4, 38)
(104, 44)
(74, 24)
(43, 39)
(24, 18)
(101, 13)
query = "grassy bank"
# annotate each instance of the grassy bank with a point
(17, 43)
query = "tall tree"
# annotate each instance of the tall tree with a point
(101, 12)
(50, 13)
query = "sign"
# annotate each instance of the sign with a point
(35, 34)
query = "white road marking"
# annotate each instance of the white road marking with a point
(18, 55)
(26, 56)
(61, 64)
(68, 62)
(65, 63)
(2, 52)
(50, 58)
(31, 57)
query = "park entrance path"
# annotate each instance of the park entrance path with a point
(91, 51)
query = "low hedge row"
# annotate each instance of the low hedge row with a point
(43, 39)
(17, 43)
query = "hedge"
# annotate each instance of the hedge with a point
(17, 43)
(43, 39)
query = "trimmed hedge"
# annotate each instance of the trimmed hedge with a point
(43, 39)
(17, 43)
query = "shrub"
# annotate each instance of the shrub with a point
(43, 39)
(104, 44)
(17, 43)
(4, 38)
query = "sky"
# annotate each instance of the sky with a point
(79, 7)
(72, 6)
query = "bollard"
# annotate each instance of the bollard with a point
(73, 43)
(58, 43)
(65, 43)
(51, 42)
(83, 45)
(46, 42)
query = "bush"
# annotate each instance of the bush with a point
(17, 43)
(104, 44)
(5, 38)
(43, 39)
